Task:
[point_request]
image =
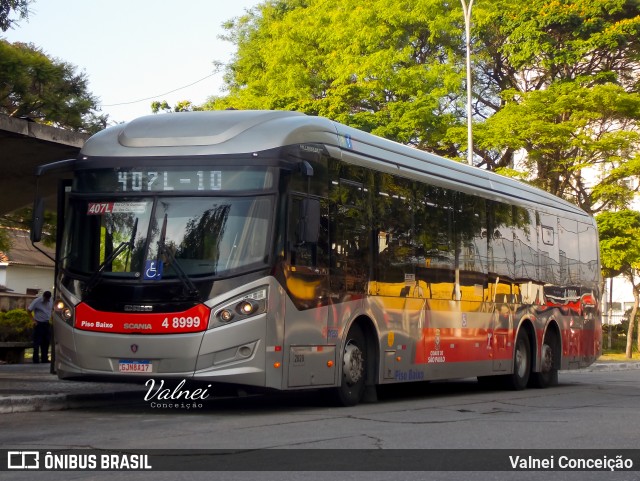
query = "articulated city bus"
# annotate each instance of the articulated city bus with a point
(275, 250)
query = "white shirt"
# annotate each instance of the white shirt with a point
(41, 309)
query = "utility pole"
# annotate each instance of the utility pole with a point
(467, 24)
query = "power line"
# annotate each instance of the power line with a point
(158, 95)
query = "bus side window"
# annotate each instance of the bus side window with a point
(548, 252)
(304, 253)
(395, 226)
(350, 229)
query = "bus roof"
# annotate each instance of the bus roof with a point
(223, 132)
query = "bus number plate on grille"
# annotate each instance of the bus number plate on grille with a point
(135, 366)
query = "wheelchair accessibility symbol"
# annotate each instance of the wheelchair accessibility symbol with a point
(153, 270)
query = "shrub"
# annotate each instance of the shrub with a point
(16, 326)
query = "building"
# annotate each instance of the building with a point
(24, 269)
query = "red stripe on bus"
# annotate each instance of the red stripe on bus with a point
(195, 319)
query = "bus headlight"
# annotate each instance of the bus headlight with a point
(247, 308)
(226, 315)
(65, 311)
(242, 307)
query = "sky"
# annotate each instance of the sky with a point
(136, 49)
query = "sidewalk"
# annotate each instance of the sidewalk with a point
(612, 366)
(31, 387)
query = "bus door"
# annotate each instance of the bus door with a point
(501, 325)
(500, 236)
(62, 171)
(307, 331)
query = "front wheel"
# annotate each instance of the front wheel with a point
(354, 359)
(521, 363)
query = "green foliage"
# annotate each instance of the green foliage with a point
(618, 337)
(11, 8)
(619, 234)
(620, 254)
(5, 241)
(567, 129)
(385, 67)
(566, 39)
(555, 80)
(21, 219)
(44, 89)
(180, 106)
(567, 93)
(16, 326)
(157, 106)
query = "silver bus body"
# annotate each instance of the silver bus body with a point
(200, 218)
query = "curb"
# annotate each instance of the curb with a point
(612, 366)
(60, 402)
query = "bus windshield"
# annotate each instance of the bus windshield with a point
(154, 238)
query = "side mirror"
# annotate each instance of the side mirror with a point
(309, 222)
(37, 220)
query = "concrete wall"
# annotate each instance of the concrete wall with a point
(9, 301)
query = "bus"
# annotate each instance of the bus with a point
(279, 251)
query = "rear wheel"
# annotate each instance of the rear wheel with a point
(521, 362)
(354, 361)
(548, 375)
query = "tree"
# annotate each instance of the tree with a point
(22, 219)
(180, 106)
(620, 254)
(562, 78)
(571, 133)
(390, 68)
(555, 81)
(44, 89)
(20, 8)
(5, 242)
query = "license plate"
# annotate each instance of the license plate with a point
(135, 366)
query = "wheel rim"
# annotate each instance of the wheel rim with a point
(521, 360)
(353, 363)
(546, 363)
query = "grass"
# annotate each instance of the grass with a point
(619, 356)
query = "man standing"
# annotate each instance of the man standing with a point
(40, 312)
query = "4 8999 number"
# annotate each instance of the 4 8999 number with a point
(181, 322)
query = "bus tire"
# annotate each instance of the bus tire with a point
(519, 379)
(548, 375)
(354, 373)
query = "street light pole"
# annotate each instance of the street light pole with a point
(467, 24)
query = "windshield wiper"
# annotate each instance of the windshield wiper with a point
(95, 277)
(191, 289)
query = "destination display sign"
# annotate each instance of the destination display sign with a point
(160, 180)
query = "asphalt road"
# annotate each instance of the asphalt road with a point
(589, 410)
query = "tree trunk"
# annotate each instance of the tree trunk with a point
(632, 318)
(634, 311)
